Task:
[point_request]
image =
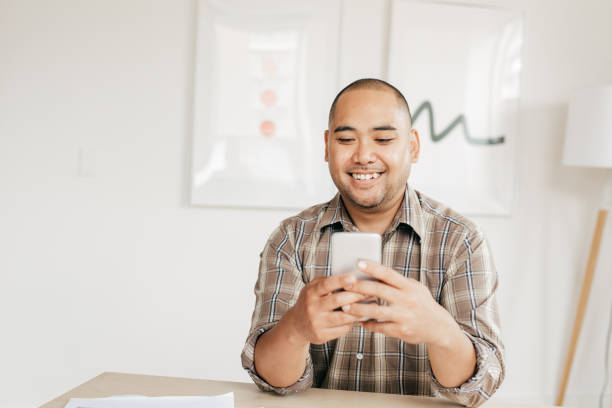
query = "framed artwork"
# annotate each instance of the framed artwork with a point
(459, 68)
(262, 70)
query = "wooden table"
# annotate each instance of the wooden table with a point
(246, 395)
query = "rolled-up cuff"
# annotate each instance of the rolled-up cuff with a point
(487, 377)
(248, 363)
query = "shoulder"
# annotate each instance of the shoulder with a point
(444, 222)
(305, 223)
(309, 216)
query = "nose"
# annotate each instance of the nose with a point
(364, 153)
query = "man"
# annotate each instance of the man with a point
(436, 331)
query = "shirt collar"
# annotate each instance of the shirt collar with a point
(409, 214)
(336, 213)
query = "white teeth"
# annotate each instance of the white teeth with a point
(366, 176)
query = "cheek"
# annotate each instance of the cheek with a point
(335, 165)
(339, 158)
(399, 163)
(397, 159)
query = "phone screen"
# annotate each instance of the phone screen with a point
(347, 248)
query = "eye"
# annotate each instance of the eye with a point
(384, 140)
(345, 139)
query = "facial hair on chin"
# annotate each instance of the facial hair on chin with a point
(386, 198)
(360, 205)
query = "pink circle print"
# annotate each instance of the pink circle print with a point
(268, 97)
(267, 128)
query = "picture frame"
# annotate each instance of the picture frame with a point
(459, 69)
(262, 72)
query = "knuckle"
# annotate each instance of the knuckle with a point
(347, 297)
(342, 318)
(327, 285)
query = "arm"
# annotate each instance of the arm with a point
(461, 333)
(452, 357)
(469, 293)
(288, 316)
(414, 316)
(280, 354)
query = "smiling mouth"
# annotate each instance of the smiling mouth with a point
(366, 176)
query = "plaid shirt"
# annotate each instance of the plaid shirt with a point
(426, 241)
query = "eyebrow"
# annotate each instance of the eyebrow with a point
(343, 129)
(387, 127)
(349, 128)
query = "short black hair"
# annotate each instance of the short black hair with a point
(371, 83)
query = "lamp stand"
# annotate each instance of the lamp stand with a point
(584, 298)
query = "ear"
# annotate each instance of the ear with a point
(415, 146)
(326, 145)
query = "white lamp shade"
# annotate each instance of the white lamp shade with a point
(588, 135)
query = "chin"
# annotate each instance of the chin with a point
(365, 203)
(369, 206)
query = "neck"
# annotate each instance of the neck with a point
(374, 220)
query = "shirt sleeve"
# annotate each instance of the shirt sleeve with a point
(277, 289)
(469, 294)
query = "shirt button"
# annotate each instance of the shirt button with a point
(359, 356)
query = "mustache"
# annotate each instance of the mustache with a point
(365, 170)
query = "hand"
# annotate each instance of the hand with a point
(314, 318)
(412, 314)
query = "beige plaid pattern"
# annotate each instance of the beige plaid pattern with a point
(428, 242)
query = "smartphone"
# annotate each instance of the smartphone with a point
(347, 248)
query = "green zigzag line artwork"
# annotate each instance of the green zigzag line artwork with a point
(459, 120)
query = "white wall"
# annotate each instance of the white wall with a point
(105, 267)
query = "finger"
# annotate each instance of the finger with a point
(377, 289)
(370, 311)
(386, 328)
(382, 273)
(337, 319)
(329, 284)
(334, 333)
(340, 299)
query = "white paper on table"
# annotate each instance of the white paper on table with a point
(215, 401)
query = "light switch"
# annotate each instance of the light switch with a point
(86, 162)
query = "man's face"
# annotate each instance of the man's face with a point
(369, 147)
